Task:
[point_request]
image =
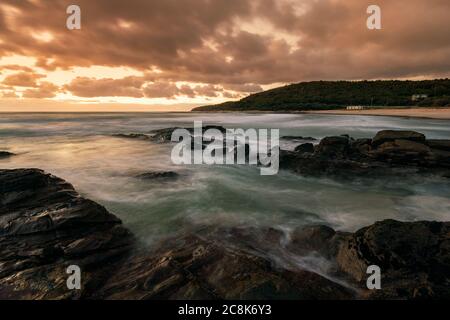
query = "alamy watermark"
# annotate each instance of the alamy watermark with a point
(74, 279)
(374, 19)
(73, 21)
(374, 280)
(218, 146)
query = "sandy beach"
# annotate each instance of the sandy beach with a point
(431, 113)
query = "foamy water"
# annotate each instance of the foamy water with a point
(80, 149)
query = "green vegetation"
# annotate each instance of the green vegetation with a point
(323, 95)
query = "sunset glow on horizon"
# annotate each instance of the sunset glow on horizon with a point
(153, 55)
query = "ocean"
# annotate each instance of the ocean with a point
(80, 148)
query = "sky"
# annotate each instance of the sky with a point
(155, 55)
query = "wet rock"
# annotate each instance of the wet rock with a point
(158, 175)
(197, 268)
(403, 146)
(442, 158)
(391, 135)
(162, 135)
(165, 135)
(45, 226)
(319, 165)
(344, 157)
(402, 152)
(443, 145)
(414, 258)
(321, 239)
(206, 128)
(298, 138)
(333, 147)
(360, 147)
(6, 154)
(305, 148)
(138, 136)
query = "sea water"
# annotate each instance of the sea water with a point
(81, 149)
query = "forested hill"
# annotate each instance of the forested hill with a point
(319, 95)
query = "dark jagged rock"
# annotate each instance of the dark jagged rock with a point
(333, 147)
(195, 267)
(321, 239)
(360, 147)
(402, 152)
(390, 152)
(298, 138)
(305, 148)
(6, 154)
(158, 175)
(317, 165)
(414, 258)
(443, 145)
(391, 135)
(45, 226)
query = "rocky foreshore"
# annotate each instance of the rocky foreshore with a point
(163, 135)
(388, 153)
(46, 226)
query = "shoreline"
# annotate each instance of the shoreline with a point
(426, 113)
(419, 113)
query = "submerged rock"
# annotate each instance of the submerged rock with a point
(158, 175)
(305, 148)
(443, 145)
(298, 138)
(6, 154)
(138, 136)
(162, 135)
(165, 135)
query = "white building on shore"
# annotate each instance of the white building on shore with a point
(417, 97)
(355, 108)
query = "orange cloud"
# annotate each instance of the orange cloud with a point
(231, 47)
(90, 87)
(44, 90)
(23, 79)
(16, 68)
